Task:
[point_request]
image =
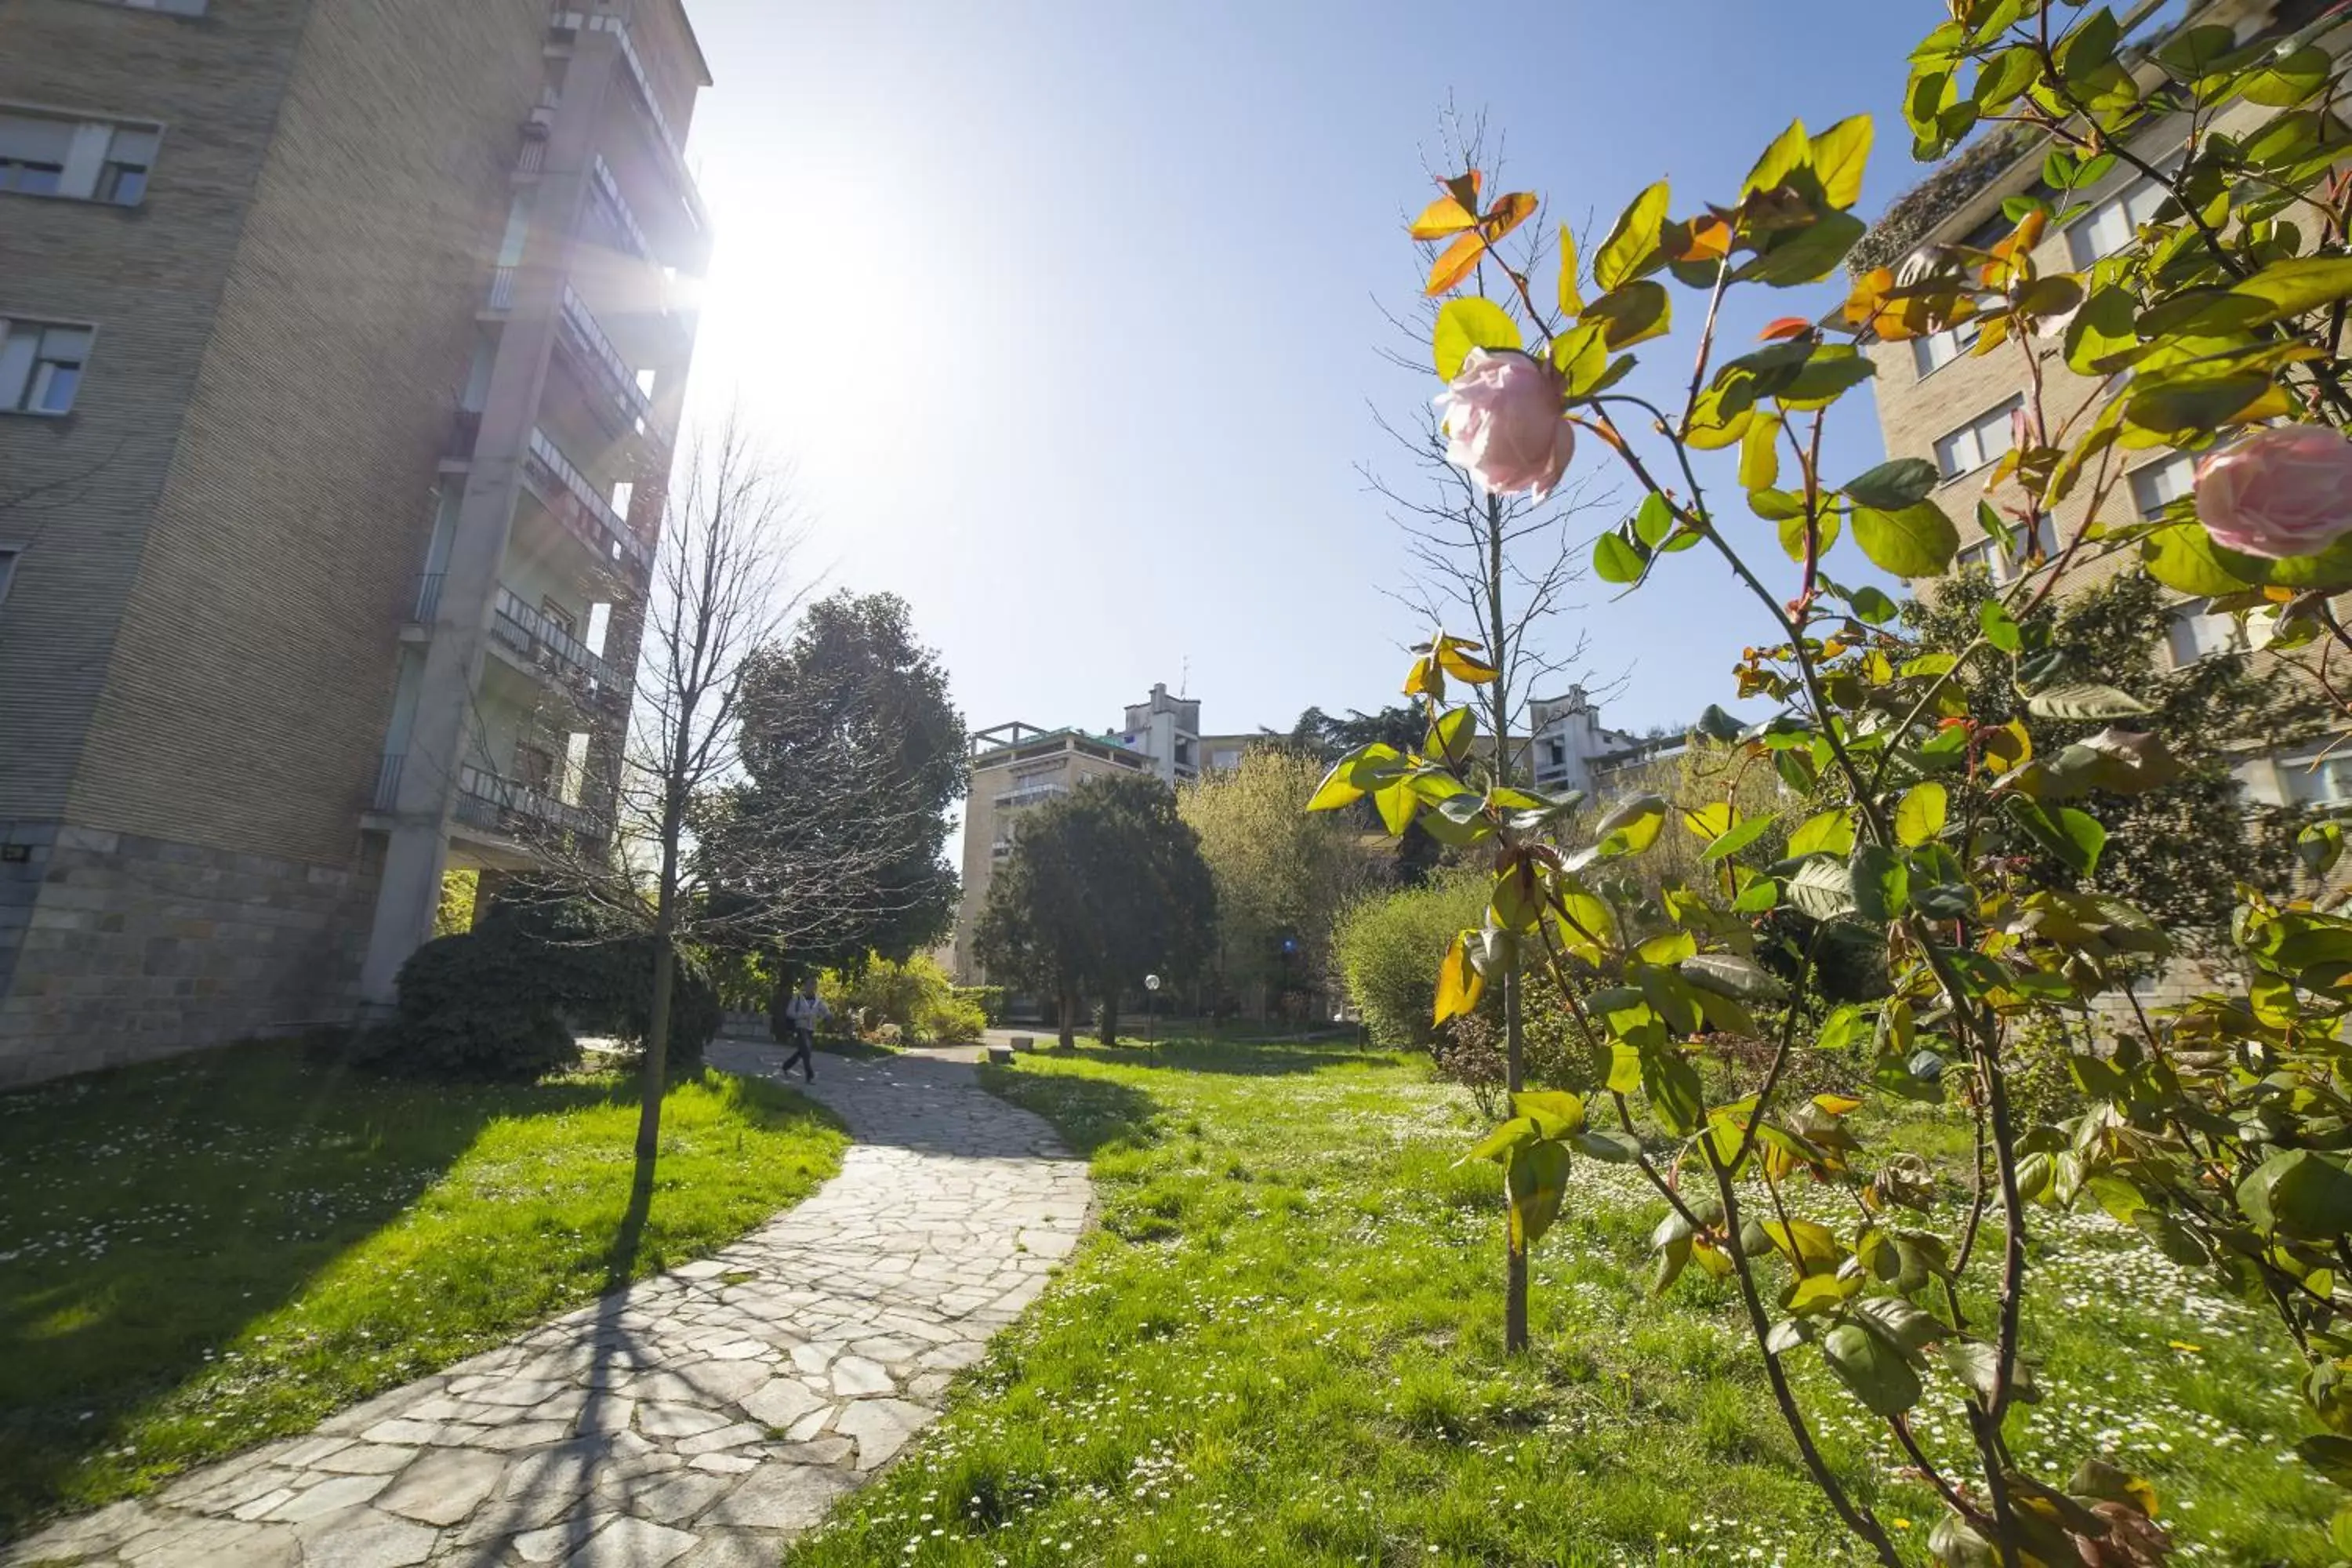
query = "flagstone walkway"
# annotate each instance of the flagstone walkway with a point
(699, 1419)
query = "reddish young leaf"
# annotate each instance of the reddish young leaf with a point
(1703, 238)
(1508, 214)
(1786, 327)
(1454, 263)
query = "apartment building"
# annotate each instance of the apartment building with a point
(1937, 401)
(341, 348)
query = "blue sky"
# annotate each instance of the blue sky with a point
(1066, 315)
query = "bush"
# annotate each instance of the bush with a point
(913, 1001)
(1389, 947)
(506, 1000)
(989, 999)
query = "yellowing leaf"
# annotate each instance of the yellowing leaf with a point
(1840, 154)
(1789, 153)
(1760, 453)
(1459, 986)
(1708, 822)
(1336, 791)
(1571, 298)
(1454, 263)
(1473, 322)
(1458, 659)
(1441, 217)
(1919, 815)
(1829, 833)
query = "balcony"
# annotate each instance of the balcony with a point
(502, 289)
(427, 602)
(577, 330)
(565, 492)
(510, 809)
(604, 197)
(545, 644)
(672, 146)
(1030, 794)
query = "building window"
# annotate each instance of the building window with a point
(2001, 564)
(2109, 226)
(41, 365)
(1937, 350)
(2310, 779)
(1978, 441)
(1558, 752)
(2156, 485)
(84, 160)
(2197, 631)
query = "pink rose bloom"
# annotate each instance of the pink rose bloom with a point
(2284, 491)
(1503, 421)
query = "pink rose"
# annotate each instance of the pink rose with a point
(2280, 491)
(1502, 416)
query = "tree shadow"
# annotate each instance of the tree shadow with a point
(151, 1215)
(1090, 1113)
(1250, 1058)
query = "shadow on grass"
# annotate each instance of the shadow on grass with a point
(1250, 1058)
(1090, 1113)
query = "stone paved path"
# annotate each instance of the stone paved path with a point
(699, 1419)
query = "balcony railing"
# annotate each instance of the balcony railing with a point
(671, 143)
(427, 602)
(465, 430)
(607, 193)
(544, 641)
(1030, 794)
(492, 805)
(579, 328)
(502, 288)
(387, 782)
(574, 501)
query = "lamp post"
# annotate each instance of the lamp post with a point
(1151, 990)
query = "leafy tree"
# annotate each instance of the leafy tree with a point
(854, 680)
(1104, 885)
(1328, 738)
(1279, 875)
(2175, 851)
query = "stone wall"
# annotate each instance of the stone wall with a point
(117, 948)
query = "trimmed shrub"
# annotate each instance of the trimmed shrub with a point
(915, 999)
(1389, 947)
(506, 1000)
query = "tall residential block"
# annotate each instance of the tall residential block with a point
(341, 344)
(1940, 401)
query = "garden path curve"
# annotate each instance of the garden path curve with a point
(699, 1418)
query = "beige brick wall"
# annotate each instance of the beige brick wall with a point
(149, 276)
(248, 697)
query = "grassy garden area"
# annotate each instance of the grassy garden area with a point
(206, 1252)
(1284, 1346)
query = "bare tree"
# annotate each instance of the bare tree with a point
(1505, 565)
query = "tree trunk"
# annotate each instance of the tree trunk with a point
(1515, 1266)
(1110, 1018)
(1069, 1019)
(656, 1062)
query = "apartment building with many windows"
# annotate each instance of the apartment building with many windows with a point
(1938, 401)
(341, 344)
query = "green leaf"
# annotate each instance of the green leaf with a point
(1675, 1092)
(2089, 46)
(2300, 1192)
(1632, 827)
(2181, 556)
(2284, 83)
(2082, 701)
(2084, 832)
(1892, 486)
(1555, 1111)
(1829, 833)
(1740, 836)
(1616, 561)
(1734, 975)
(1882, 883)
(2328, 1454)
(1497, 1145)
(1632, 247)
(1807, 255)
(1822, 888)
(1536, 1179)
(1466, 324)
(1830, 370)
(1760, 453)
(1654, 521)
(2001, 628)
(2076, 842)
(1873, 606)
(1916, 542)
(1873, 1368)
(1632, 313)
(1571, 299)
(2104, 334)
(1919, 815)
(2298, 284)
(1839, 156)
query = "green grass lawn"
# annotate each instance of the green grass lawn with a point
(1283, 1346)
(206, 1252)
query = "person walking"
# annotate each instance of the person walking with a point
(802, 1013)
